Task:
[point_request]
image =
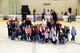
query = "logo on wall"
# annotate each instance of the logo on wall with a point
(46, 3)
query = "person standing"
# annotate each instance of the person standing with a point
(23, 24)
(73, 33)
(13, 31)
(51, 11)
(69, 16)
(54, 16)
(9, 26)
(70, 10)
(48, 23)
(34, 15)
(34, 11)
(46, 34)
(68, 32)
(43, 13)
(23, 36)
(28, 22)
(29, 33)
(47, 13)
(37, 36)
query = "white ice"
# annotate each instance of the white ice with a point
(8, 46)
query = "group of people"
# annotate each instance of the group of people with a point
(46, 12)
(46, 32)
(53, 14)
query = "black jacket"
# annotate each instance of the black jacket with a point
(28, 22)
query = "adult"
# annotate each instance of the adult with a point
(51, 11)
(23, 24)
(43, 13)
(65, 13)
(13, 30)
(69, 16)
(34, 11)
(34, 15)
(70, 10)
(52, 24)
(48, 23)
(54, 16)
(9, 22)
(47, 13)
(28, 22)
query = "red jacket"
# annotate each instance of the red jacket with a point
(37, 30)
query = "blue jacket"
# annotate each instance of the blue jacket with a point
(73, 32)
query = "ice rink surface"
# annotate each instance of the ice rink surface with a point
(8, 46)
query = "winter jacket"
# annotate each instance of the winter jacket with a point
(73, 32)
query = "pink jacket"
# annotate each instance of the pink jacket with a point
(29, 31)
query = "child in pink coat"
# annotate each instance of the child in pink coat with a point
(29, 32)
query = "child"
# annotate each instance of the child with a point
(73, 33)
(19, 33)
(26, 32)
(65, 30)
(33, 33)
(44, 22)
(23, 36)
(61, 38)
(53, 30)
(42, 30)
(58, 27)
(50, 36)
(17, 25)
(37, 37)
(46, 35)
(54, 40)
(68, 32)
(29, 32)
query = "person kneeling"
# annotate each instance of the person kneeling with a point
(54, 40)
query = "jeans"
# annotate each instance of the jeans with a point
(37, 37)
(28, 37)
(34, 18)
(73, 38)
(9, 33)
(69, 19)
(13, 35)
(23, 37)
